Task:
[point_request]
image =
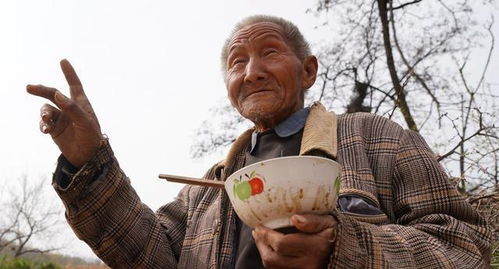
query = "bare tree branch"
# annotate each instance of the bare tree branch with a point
(401, 100)
(405, 4)
(27, 216)
(411, 68)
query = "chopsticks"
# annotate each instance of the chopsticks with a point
(193, 181)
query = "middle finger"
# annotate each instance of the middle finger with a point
(279, 242)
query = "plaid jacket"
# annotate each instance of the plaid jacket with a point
(425, 222)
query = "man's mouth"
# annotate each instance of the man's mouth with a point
(258, 92)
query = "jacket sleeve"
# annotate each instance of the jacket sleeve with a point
(434, 226)
(105, 211)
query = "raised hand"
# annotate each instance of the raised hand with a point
(310, 248)
(73, 124)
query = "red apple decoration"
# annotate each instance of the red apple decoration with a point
(256, 185)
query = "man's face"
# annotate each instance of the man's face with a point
(264, 76)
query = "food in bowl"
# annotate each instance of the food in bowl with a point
(271, 191)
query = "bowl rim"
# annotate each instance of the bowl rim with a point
(335, 163)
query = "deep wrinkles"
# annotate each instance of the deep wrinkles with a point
(251, 34)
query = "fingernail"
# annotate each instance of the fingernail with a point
(44, 116)
(300, 218)
(44, 129)
(59, 97)
(253, 233)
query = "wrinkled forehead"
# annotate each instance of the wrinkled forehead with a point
(257, 31)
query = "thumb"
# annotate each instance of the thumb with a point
(309, 223)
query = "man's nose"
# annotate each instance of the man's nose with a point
(255, 71)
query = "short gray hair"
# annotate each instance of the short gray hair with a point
(292, 34)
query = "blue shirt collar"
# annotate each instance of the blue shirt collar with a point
(290, 126)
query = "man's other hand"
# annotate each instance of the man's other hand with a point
(309, 248)
(73, 124)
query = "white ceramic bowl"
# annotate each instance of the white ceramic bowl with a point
(271, 191)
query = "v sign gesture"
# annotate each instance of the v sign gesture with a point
(73, 124)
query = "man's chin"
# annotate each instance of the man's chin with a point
(262, 119)
(258, 116)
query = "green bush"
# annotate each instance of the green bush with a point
(20, 263)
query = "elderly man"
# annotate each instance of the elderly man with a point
(396, 208)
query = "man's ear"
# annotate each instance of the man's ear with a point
(310, 67)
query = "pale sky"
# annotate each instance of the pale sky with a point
(150, 69)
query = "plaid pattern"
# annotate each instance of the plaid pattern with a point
(426, 223)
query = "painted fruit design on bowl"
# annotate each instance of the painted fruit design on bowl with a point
(251, 186)
(337, 185)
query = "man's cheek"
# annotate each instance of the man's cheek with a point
(232, 93)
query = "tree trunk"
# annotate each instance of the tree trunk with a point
(401, 102)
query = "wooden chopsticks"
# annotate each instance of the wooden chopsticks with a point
(193, 181)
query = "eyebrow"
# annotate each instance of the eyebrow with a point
(232, 48)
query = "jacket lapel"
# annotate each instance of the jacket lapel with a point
(319, 134)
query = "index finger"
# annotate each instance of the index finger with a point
(270, 237)
(42, 91)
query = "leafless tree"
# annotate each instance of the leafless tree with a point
(27, 217)
(420, 63)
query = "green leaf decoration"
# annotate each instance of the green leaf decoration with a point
(252, 174)
(337, 184)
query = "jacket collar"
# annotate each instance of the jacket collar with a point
(319, 134)
(293, 124)
(290, 126)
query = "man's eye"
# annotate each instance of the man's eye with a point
(238, 61)
(269, 52)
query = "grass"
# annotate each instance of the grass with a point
(20, 263)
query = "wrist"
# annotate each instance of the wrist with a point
(83, 156)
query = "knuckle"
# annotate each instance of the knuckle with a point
(44, 108)
(44, 116)
(71, 105)
(279, 245)
(264, 236)
(265, 259)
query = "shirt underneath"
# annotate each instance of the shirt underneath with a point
(284, 140)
